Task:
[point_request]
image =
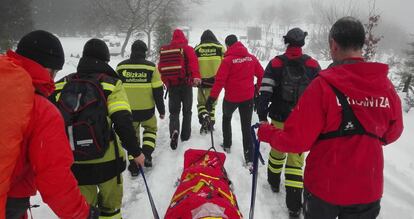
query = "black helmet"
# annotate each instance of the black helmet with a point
(295, 37)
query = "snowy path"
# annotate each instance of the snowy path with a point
(398, 198)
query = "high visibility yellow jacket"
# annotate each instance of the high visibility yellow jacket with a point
(209, 56)
(143, 85)
(119, 112)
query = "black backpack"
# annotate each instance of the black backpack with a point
(83, 105)
(294, 79)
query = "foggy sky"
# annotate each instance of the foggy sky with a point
(398, 11)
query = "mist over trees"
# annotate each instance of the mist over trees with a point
(92, 18)
(15, 21)
(148, 19)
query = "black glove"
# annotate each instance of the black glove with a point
(255, 103)
(93, 213)
(209, 104)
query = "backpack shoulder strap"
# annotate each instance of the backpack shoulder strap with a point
(350, 125)
(304, 58)
(283, 58)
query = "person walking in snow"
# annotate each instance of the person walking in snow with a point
(236, 75)
(285, 78)
(344, 118)
(210, 53)
(41, 155)
(179, 70)
(144, 89)
(95, 107)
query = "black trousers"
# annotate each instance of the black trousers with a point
(180, 95)
(315, 208)
(245, 111)
(17, 207)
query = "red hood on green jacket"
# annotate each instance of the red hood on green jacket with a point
(40, 76)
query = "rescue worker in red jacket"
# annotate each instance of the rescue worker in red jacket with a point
(180, 90)
(344, 118)
(236, 75)
(45, 158)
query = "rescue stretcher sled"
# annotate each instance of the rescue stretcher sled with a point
(204, 190)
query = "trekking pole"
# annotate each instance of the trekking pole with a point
(153, 208)
(254, 171)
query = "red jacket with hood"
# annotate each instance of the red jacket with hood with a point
(342, 170)
(236, 75)
(45, 158)
(179, 40)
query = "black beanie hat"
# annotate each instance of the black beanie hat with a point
(43, 48)
(139, 46)
(295, 37)
(139, 49)
(96, 48)
(230, 40)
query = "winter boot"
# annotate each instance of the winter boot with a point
(203, 129)
(225, 148)
(294, 214)
(174, 140)
(249, 166)
(133, 168)
(275, 189)
(294, 201)
(148, 158)
(148, 162)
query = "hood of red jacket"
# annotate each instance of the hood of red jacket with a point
(237, 49)
(40, 76)
(179, 37)
(358, 80)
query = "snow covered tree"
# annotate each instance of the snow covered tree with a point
(407, 78)
(132, 16)
(15, 21)
(371, 40)
(325, 15)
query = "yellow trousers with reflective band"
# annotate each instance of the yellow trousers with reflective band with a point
(106, 196)
(149, 135)
(293, 166)
(201, 105)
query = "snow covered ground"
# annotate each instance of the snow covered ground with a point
(398, 200)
